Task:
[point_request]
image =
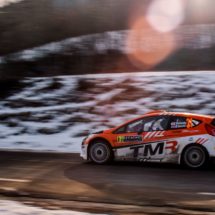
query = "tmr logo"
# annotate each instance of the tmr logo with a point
(148, 150)
(136, 138)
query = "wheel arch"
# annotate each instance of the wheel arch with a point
(193, 144)
(96, 139)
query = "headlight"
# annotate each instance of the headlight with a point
(90, 136)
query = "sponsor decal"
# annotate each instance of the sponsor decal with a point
(201, 141)
(176, 131)
(180, 124)
(120, 139)
(171, 145)
(135, 138)
(190, 131)
(191, 139)
(148, 150)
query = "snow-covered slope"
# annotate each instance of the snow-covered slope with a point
(57, 113)
(14, 208)
(4, 3)
(187, 36)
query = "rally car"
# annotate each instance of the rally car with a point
(158, 136)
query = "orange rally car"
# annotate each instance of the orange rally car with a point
(158, 136)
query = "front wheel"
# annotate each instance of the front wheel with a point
(194, 157)
(100, 152)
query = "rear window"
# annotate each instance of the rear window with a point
(213, 122)
(183, 122)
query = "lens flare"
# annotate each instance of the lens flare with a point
(146, 46)
(165, 15)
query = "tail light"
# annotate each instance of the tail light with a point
(210, 129)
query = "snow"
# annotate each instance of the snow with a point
(116, 40)
(4, 3)
(8, 207)
(59, 123)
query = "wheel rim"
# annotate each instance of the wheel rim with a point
(195, 156)
(99, 152)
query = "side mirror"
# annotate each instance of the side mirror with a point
(139, 131)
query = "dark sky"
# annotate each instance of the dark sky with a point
(36, 22)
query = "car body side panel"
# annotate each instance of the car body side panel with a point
(158, 146)
(84, 152)
(170, 151)
(143, 151)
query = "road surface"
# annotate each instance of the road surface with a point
(66, 176)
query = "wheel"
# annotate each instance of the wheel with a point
(100, 152)
(194, 157)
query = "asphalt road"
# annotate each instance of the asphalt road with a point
(69, 177)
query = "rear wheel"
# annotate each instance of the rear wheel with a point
(100, 152)
(194, 157)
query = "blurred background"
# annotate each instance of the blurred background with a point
(67, 37)
(72, 67)
(113, 48)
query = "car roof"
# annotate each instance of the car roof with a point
(185, 114)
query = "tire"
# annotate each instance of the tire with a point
(195, 157)
(100, 152)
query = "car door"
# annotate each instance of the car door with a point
(183, 130)
(155, 135)
(126, 137)
(142, 138)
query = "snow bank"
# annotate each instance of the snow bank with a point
(55, 114)
(4, 3)
(13, 208)
(187, 36)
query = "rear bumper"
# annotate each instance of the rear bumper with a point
(84, 152)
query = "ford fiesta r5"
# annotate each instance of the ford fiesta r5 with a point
(158, 136)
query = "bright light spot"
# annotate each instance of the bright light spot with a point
(7, 2)
(200, 2)
(147, 47)
(165, 15)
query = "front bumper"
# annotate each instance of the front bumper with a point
(84, 152)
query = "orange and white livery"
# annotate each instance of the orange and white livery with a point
(158, 136)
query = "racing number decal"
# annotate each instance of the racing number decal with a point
(189, 122)
(120, 139)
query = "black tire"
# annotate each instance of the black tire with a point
(195, 157)
(100, 152)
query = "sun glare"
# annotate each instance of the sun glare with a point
(165, 15)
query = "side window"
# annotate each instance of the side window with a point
(155, 123)
(152, 123)
(134, 127)
(183, 122)
(195, 122)
(120, 130)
